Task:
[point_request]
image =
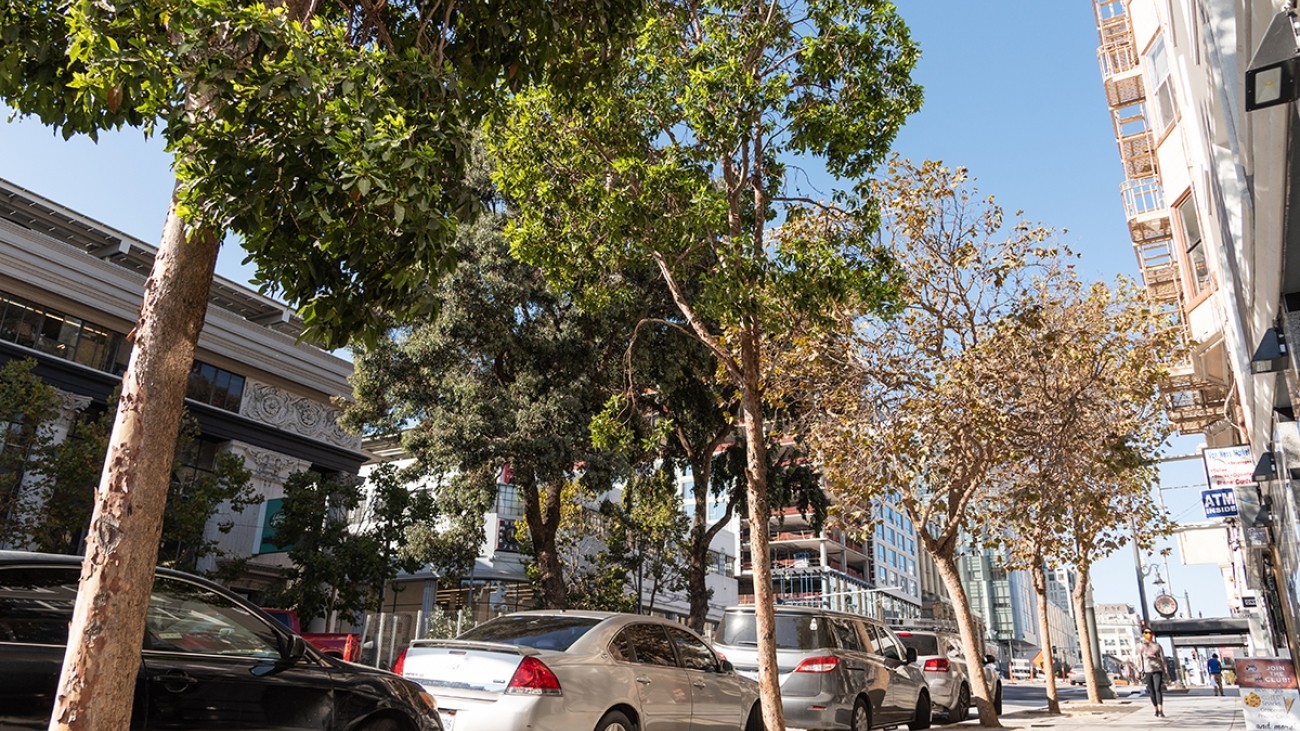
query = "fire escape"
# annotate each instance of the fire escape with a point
(1193, 401)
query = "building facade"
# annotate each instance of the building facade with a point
(834, 568)
(70, 292)
(1209, 197)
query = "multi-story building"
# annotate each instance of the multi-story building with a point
(70, 291)
(832, 568)
(1209, 196)
(1119, 635)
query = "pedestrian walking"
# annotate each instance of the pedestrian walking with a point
(1216, 673)
(1153, 666)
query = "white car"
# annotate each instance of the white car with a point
(581, 671)
(940, 657)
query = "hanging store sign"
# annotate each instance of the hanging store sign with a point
(1220, 503)
(1229, 467)
(1269, 693)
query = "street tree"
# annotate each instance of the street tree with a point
(1090, 419)
(59, 471)
(497, 386)
(330, 138)
(689, 166)
(915, 410)
(29, 405)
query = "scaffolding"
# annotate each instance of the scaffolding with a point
(1193, 402)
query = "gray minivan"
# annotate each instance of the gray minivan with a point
(837, 670)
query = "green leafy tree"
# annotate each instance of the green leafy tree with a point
(330, 137)
(194, 496)
(506, 373)
(58, 496)
(685, 167)
(334, 571)
(396, 504)
(26, 403)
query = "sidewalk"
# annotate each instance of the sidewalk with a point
(1197, 709)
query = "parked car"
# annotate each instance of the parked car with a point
(210, 660)
(837, 671)
(580, 670)
(941, 658)
(343, 645)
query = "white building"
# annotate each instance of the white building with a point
(70, 291)
(1211, 203)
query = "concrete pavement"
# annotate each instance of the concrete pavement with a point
(1196, 709)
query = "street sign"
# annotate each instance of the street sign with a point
(1220, 502)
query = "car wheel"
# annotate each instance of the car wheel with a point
(921, 719)
(861, 720)
(997, 700)
(615, 721)
(755, 722)
(961, 709)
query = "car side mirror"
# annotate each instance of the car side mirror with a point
(911, 654)
(990, 660)
(295, 650)
(725, 666)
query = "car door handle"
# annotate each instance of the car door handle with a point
(175, 681)
(699, 684)
(643, 680)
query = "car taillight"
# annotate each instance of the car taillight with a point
(936, 665)
(532, 677)
(400, 663)
(818, 665)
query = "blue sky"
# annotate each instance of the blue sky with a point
(1012, 92)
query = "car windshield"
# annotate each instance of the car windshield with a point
(923, 644)
(793, 631)
(542, 632)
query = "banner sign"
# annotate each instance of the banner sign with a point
(1220, 503)
(1269, 693)
(1229, 467)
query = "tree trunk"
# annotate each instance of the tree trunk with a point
(107, 631)
(1045, 630)
(1085, 639)
(696, 590)
(972, 646)
(769, 682)
(543, 521)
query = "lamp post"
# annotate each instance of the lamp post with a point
(1099, 677)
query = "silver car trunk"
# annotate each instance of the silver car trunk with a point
(480, 670)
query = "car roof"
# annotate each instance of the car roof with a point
(810, 611)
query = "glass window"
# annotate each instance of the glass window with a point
(57, 334)
(621, 648)
(544, 632)
(793, 631)
(187, 617)
(215, 386)
(1198, 269)
(36, 604)
(923, 644)
(650, 645)
(693, 653)
(846, 634)
(1160, 87)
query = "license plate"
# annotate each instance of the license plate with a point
(448, 719)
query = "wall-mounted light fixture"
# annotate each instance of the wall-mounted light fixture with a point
(1265, 468)
(1275, 67)
(1270, 356)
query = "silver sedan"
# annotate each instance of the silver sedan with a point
(579, 670)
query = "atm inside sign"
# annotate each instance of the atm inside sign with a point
(1220, 503)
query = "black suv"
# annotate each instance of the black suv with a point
(210, 661)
